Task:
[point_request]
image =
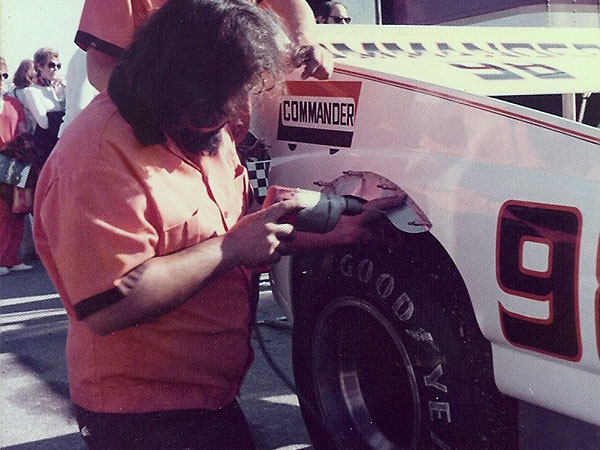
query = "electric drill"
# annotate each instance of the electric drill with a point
(320, 212)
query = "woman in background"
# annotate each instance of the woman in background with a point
(24, 77)
(46, 98)
(12, 123)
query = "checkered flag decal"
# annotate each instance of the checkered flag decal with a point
(258, 172)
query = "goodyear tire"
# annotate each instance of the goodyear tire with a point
(387, 353)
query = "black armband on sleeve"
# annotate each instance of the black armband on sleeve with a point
(86, 40)
(91, 305)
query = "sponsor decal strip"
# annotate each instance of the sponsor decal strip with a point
(319, 112)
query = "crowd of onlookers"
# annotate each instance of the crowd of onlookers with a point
(32, 116)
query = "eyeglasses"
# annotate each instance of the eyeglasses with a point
(5, 76)
(341, 19)
(53, 65)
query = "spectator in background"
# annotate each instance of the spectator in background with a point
(107, 28)
(23, 78)
(78, 92)
(46, 98)
(330, 12)
(12, 123)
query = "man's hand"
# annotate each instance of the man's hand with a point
(260, 238)
(368, 228)
(299, 22)
(317, 62)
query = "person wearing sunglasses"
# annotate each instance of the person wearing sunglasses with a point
(331, 12)
(4, 79)
(12, 123)
(46, 98)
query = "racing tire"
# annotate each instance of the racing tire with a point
(387, 353)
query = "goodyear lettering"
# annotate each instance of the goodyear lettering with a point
(437, 441)
(347, 265)
(423, 336)
(439, 409)
(403, 307)
(431, 380)
(384, 285)
(365, 270)
(318, 112)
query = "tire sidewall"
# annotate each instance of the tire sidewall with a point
(429, 311)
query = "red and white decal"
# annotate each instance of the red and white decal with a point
(321, 113)
(558, 227)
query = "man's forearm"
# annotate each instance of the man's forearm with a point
(297, 18)
(163, 283)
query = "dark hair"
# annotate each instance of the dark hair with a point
(25, 74)
(323, 8)
(195, 61)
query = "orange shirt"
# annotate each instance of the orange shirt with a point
(109, 25)
(104, 205)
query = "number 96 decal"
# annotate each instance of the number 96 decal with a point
(557, 229)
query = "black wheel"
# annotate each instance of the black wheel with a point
(388, 355)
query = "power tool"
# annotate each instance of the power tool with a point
(320, 212)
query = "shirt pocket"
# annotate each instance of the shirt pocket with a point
(184, 234)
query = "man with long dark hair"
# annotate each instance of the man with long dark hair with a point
(140, 221)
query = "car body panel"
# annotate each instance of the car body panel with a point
(470, 163)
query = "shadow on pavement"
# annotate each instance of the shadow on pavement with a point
(34, 392)
(70, 441)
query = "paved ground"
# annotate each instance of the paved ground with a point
(34, 408)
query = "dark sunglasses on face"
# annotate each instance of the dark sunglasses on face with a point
(341, 19)
(5, 76)
(52, 65)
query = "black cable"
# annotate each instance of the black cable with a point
(263, 348)
(255, 295)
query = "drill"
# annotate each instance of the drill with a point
(320, 212)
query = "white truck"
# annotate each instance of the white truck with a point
(476, 323)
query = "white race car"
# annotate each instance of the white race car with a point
(490, 290)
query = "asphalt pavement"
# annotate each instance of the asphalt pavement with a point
(35, 411)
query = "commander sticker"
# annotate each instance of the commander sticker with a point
(319, 112)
